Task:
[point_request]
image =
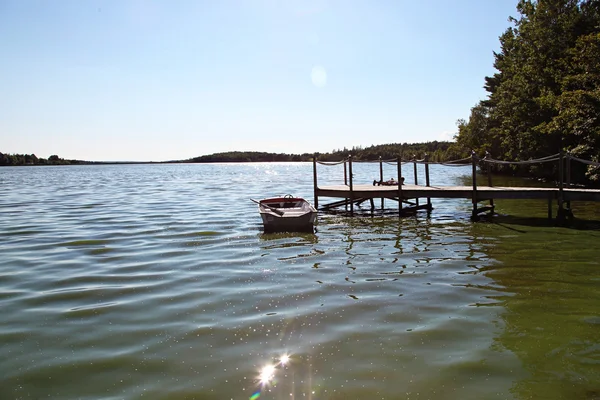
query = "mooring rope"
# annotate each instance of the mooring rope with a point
(454, 163)
(396, 162)
(551, 158)
(331, 162)
(584, 161)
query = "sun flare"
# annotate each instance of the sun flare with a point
(284, 359)
(267, 374)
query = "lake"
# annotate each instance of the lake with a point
(156, 282)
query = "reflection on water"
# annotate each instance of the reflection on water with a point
(156, 281)
(552, 279)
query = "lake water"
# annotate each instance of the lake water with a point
(155, 281)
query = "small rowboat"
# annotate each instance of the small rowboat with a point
(287, 214)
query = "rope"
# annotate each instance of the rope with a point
(460, 162)
(453, 163)
(551, 158)
(331, 162)
(584, 161)
(396, 163)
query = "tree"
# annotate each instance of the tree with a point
(544, 97)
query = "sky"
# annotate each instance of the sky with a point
(143, 80)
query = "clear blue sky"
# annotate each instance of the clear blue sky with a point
(163, 80)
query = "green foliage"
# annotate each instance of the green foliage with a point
(32, 159)
(249, 156)
(437, 151)
(545, 96)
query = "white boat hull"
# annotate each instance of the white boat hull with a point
(287, 214)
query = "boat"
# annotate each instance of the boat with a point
(287, 214)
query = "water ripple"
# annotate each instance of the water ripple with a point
(156, 281)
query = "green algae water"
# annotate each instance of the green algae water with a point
(155, 281)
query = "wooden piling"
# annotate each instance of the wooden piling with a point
(381, 177)
(560, 213)
(345, 183)
(351, 185)
(429, 207)
(416, 181)
(316, 194)
(489, 176)
(345, 174)
(399, 163)
(474, 196)
(568, 161)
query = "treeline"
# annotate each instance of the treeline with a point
(249, 156)
(545, 97)
(437, 151)
(32, 159)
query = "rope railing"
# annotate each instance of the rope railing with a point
(364, 161)
(395, 162)
(489, 160)
(454, 163)
(463, 161)
(595, 164)
(332, 162)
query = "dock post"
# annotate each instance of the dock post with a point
(381, 177)
(351, 187)
(568, 160)
(489, 174)
(560, 214)
(416, 181)
(345, 183)
(399, 162)
(474, 195)
(316, 194)
(429, 208)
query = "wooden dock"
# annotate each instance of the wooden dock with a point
(456, 192)
(407, 196)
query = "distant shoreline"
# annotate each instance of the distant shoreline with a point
(437, 151)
